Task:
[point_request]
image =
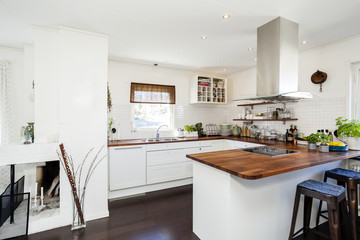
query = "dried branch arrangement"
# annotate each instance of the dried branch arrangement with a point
(78, 186)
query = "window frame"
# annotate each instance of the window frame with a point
(151, 129)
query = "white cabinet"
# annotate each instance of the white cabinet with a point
(166, 157)
(208, 90)
(142, 167)
(168, 172)
(168, 164)
(238, 144)
(127, 167)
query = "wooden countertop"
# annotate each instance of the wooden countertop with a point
(254, 166)
(128, 142)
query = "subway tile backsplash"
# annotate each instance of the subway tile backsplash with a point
(313, 114)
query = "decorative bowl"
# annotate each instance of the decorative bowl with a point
(338, 148)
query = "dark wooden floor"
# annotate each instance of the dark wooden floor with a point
(161, 215)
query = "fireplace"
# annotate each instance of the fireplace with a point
(46, 194)
(35, 196)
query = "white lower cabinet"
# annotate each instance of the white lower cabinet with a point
(167, 165)
(127, 167)
(168, 172)
(238, 144)
(147, 165)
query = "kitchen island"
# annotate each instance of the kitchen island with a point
(248, 196)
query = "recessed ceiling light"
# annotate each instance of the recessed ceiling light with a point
(224, 70)
(203, 37)
(250, 49)
(226, 16)
(255, 59)
(222, 60)
(304, 42)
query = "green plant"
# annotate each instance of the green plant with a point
(190, 128)
(348, 128)
(109, 101)
(324, 138)
(313, 138)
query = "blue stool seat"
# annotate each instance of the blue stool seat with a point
(322, 187)
(345, 172)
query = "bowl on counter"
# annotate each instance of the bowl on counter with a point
(225, 132)
(225, 126)
(338, 148)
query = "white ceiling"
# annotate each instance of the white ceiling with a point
(156, 31)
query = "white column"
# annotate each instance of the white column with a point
(71, 102)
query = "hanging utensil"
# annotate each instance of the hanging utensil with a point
(319, 77)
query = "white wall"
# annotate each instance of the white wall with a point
(121, 74)
(20, 90)
(319, 113)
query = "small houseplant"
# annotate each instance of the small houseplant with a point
(312, 139)
(349, 132)
(190, 131)
(324, 142)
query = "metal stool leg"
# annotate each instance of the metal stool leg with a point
(353, 208)
(294, 216)
(307, 214)
(334, 223)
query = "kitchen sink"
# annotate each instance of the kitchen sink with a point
(161, 140)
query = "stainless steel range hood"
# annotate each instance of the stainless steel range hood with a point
(277, 62)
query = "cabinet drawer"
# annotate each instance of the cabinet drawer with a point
(239, 144)
(199, 144)
(199, 150)
(165, 146)
(166, 157)
(168, 172)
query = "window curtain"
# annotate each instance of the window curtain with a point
(152, 93)
(6, 124)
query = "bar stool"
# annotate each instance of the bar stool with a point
(333, 195)
(351, 179)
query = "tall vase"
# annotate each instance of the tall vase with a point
(76, 220)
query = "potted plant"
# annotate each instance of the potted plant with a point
(324, 142)
(190, 131)
(349, 132)
(312, 139)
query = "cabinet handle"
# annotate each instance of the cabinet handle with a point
(126, 148)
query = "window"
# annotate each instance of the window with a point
(152, 105)
(355, 91)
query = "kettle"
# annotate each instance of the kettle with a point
(236, 131)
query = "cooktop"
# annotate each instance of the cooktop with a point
(269, 151)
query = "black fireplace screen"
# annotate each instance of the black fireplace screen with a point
(5, 201)
(20, 225)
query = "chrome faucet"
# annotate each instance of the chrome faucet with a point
(157, 132)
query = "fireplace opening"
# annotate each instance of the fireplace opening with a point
(46, 196)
